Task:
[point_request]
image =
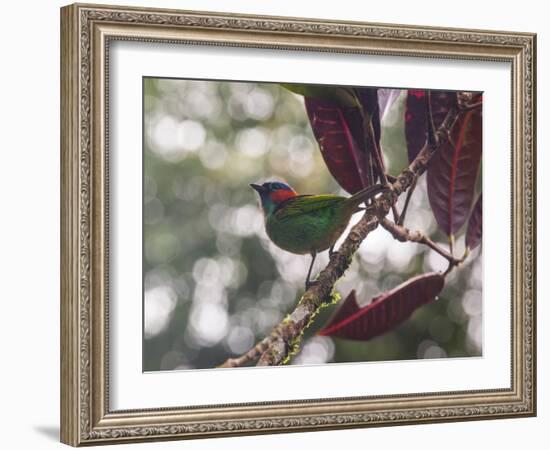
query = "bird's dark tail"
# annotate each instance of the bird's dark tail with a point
(365, 194)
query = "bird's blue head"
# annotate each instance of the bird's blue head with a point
(272, 194)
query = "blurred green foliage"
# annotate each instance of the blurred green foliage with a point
(213, 282)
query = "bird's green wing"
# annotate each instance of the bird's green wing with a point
(307, 204)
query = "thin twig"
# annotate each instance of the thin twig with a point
(251, 355)
(452, 264)
(403, 234)
(407, 200)
(452, 244)
(471, 106)
(446, 129)
(378, 158)
(372, 143)
(432, 135)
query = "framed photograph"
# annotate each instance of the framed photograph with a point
(276, 225)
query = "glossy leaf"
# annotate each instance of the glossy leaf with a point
(441, 103)
(452, 173)
(415, 122)
(475, 225)
(340, 134)
(340, 95)
(368, 97)
(384, 312)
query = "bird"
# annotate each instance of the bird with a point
(308, 224)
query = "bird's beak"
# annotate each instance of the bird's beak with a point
(258, 188)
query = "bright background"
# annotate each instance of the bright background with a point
(214, 284)
(30, 230)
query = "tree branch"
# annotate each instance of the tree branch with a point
(403, 234)
(471, 106)
(284, 339)
(250, 355)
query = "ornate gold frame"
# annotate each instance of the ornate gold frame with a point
(86, 31)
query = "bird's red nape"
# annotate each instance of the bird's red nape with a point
(280, 195)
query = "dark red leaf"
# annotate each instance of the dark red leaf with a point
(452, 173)
(416, 122)
(369, 100)
(386, 311)
(475, 225)
(339, 132)
(441, 103)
